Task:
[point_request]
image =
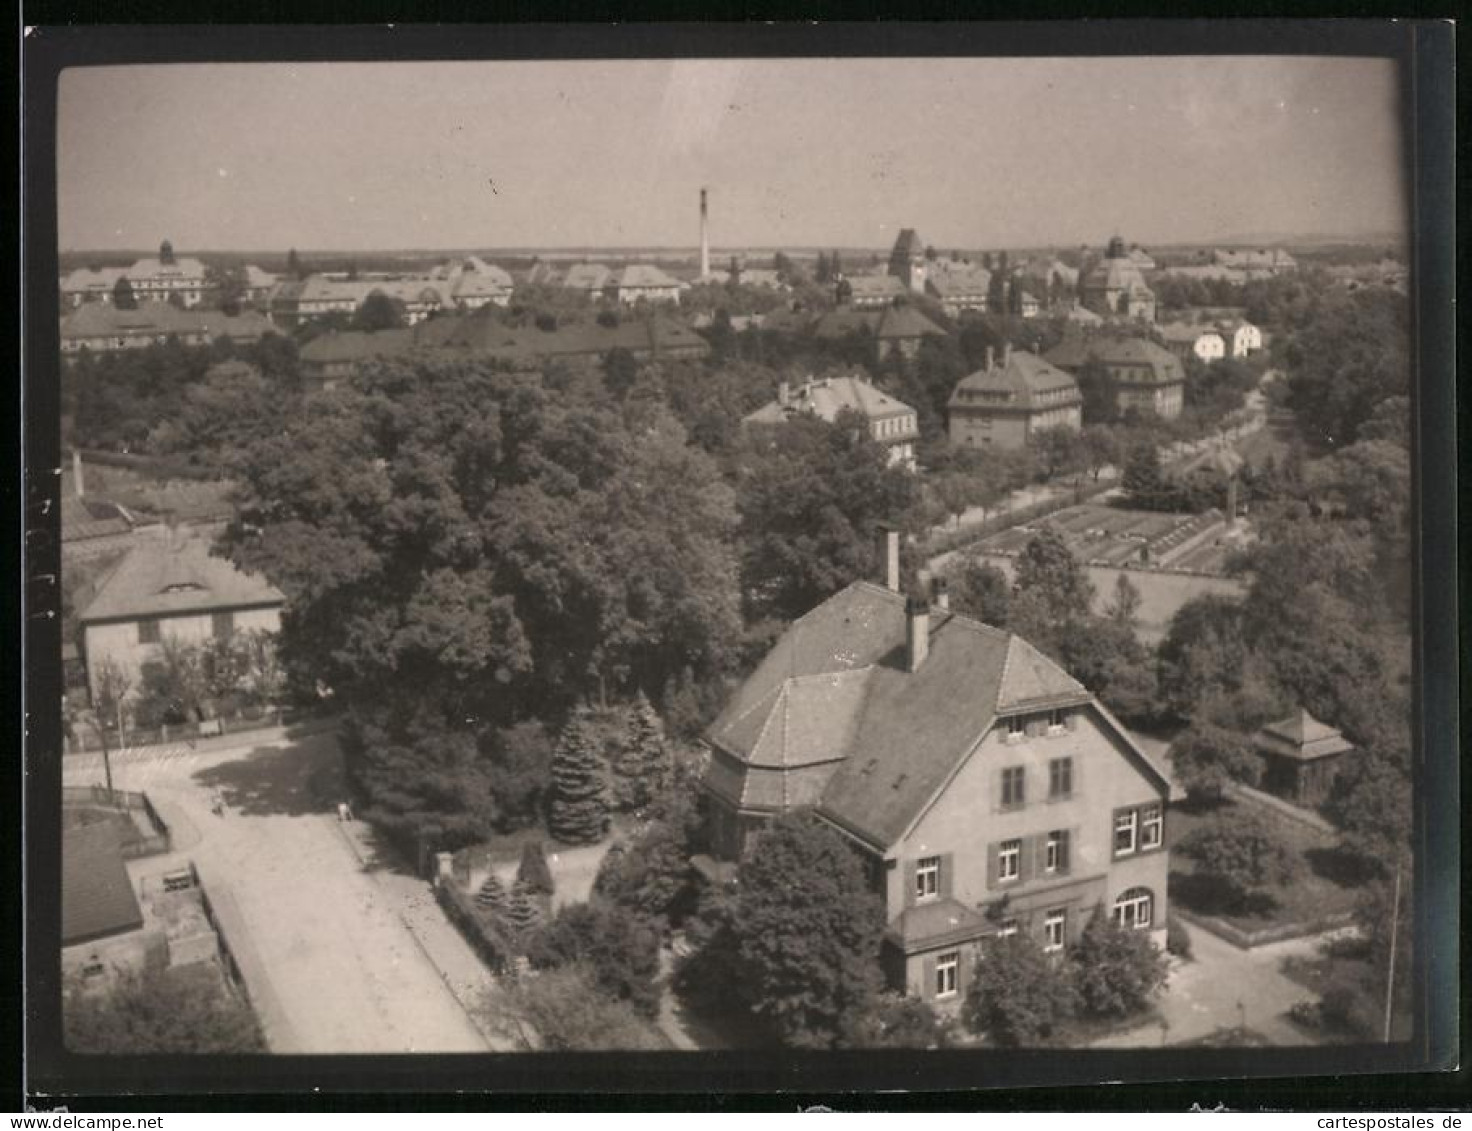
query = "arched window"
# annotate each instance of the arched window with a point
(1134, 910)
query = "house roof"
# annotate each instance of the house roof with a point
(153, 268)
(1303, 737)
(97, 898)
(645, 275)
(1017, 381)
(832, 713)
(338, 346)
(965, 281)
(1185, 333)
(1084, 315)
(893, 322)
(935, 923)
(826, 397)
(1116, 274)
(587, 277)
(181, 576)
(86, 279)
(875, 286)
(1133, 353)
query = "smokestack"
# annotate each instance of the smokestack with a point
(940, 593)
(704, 240)
(77, 483)
(917, 632)
(990, 357)
(889, 556)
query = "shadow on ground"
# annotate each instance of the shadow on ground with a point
(382, 854)
(304, 777)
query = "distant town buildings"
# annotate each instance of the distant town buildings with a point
(960, 286)
(467, 284)
(986, 790)
(160, 277)
(892, 423)
(1256, 264)
(895, 330)
(1200, 342)
(103, 328)
(1115, 288)
(1008, 402)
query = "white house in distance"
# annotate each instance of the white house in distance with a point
(1202, 342)
(170, 588)
(151, 278)
(1242, 338)
(892, 423)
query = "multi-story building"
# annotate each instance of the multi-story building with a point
(1256, 264)
(1242, 338)
(646, 282)
(1006, 404)
(870, 292)
(892, 423)
(1147, 378)
(1115, 287)
(170, 589)
(100, 328)
(152, 278)
(1201, 342)
(987, 791)
(894, 330)
(960, 287)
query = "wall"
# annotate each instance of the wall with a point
(127, 953)
(1007, 430)
(119, 640)
(967, 819)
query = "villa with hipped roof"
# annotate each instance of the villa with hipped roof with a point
(892, 423)
(1005, 405)
(1147, 377)
(985, 789)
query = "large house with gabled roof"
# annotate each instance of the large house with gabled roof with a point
(987, 791)
(1009, 402)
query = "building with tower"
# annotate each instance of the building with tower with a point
(907, 261)
(1116, 288)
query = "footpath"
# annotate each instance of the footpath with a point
(412, 900)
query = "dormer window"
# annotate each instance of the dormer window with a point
(1016, 728)
(1057, 721)
(182, 587)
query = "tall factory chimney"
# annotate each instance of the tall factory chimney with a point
(704, 240)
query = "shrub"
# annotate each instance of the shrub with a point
(533, 870)
(1177, 938)
(1019, 997)
(566, 1010)
(521, 760)
(1115, 971)
(893, 1021)
(620, 951)
(1242, 853)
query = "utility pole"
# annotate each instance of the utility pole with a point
(1394, 931)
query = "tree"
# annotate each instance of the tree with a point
(177, 679)
(294, 266)
(564, 1010)
(979, 589)
(1115, 971)
(641, 763)
(1143, 482)
(123, 297)
(1059, 450)
(1242, 854)
(493, 898)
(226, 285)
(1204, 653)
(379, 312)
(620, 371)
(616, 946)
(523, 910)
(533, 871)
(1101, 448)
(521, 767)
(803, 930)
(1019, 998)
(652, 876)
(170, 1011)
(894, 1021)
(1124, 608)
(578, 813)
(1050, 580)
(1207, 758)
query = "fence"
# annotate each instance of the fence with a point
(85, 739)
(161, 840)
(1280, 932)
(1005, 520)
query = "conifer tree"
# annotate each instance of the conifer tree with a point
(523, 909)
(533, 870)
(579, 810)
(492, 896)
(641, 763)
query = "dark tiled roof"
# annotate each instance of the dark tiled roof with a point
(891, 323)
(1022, 379)
(1074, 351)
(831, 714)
(828, 396)
(97, 898)
(935, 923)
(155, 580)
(1303, 737)
(908, 243)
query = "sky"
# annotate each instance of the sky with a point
(974, 153)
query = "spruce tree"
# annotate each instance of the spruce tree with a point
(641, 763)
(533, 870)
(492, 896)
(578, 813)
(523, 909)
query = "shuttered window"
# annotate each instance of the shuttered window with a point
(1060, 778)
(1014, 787)
(1009, 861)
(927, 878)
(1056, 851)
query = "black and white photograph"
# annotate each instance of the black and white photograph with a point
(760, 554)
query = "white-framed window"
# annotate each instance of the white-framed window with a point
(947, 966)
(1055, 854)
(1006, 927)
(1125, 832)
(1009, 860)
(1014, 787)
(927, 878)
(1057, 721)
(1055, 929)
(1060, 778)
(1152, 826)
(1134, 910)
(1016, 728)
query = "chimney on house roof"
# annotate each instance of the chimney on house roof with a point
(990, 358)
(940, 593)
(917, 632)
(77, 484)
(889, 556)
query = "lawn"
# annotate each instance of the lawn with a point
(1326, 885)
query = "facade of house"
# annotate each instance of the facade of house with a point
(1241, 338)
(894, 329)
(1202, 342)
(1301, 758)
(170, 589)
(960, 287)
(103, 328)
(646, 282)
(1004, 405)
(988, 792)
(1115, 287)
(1255, 264)
(154, 278)
(258, 284)
(1147, 377)
(892, 423)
